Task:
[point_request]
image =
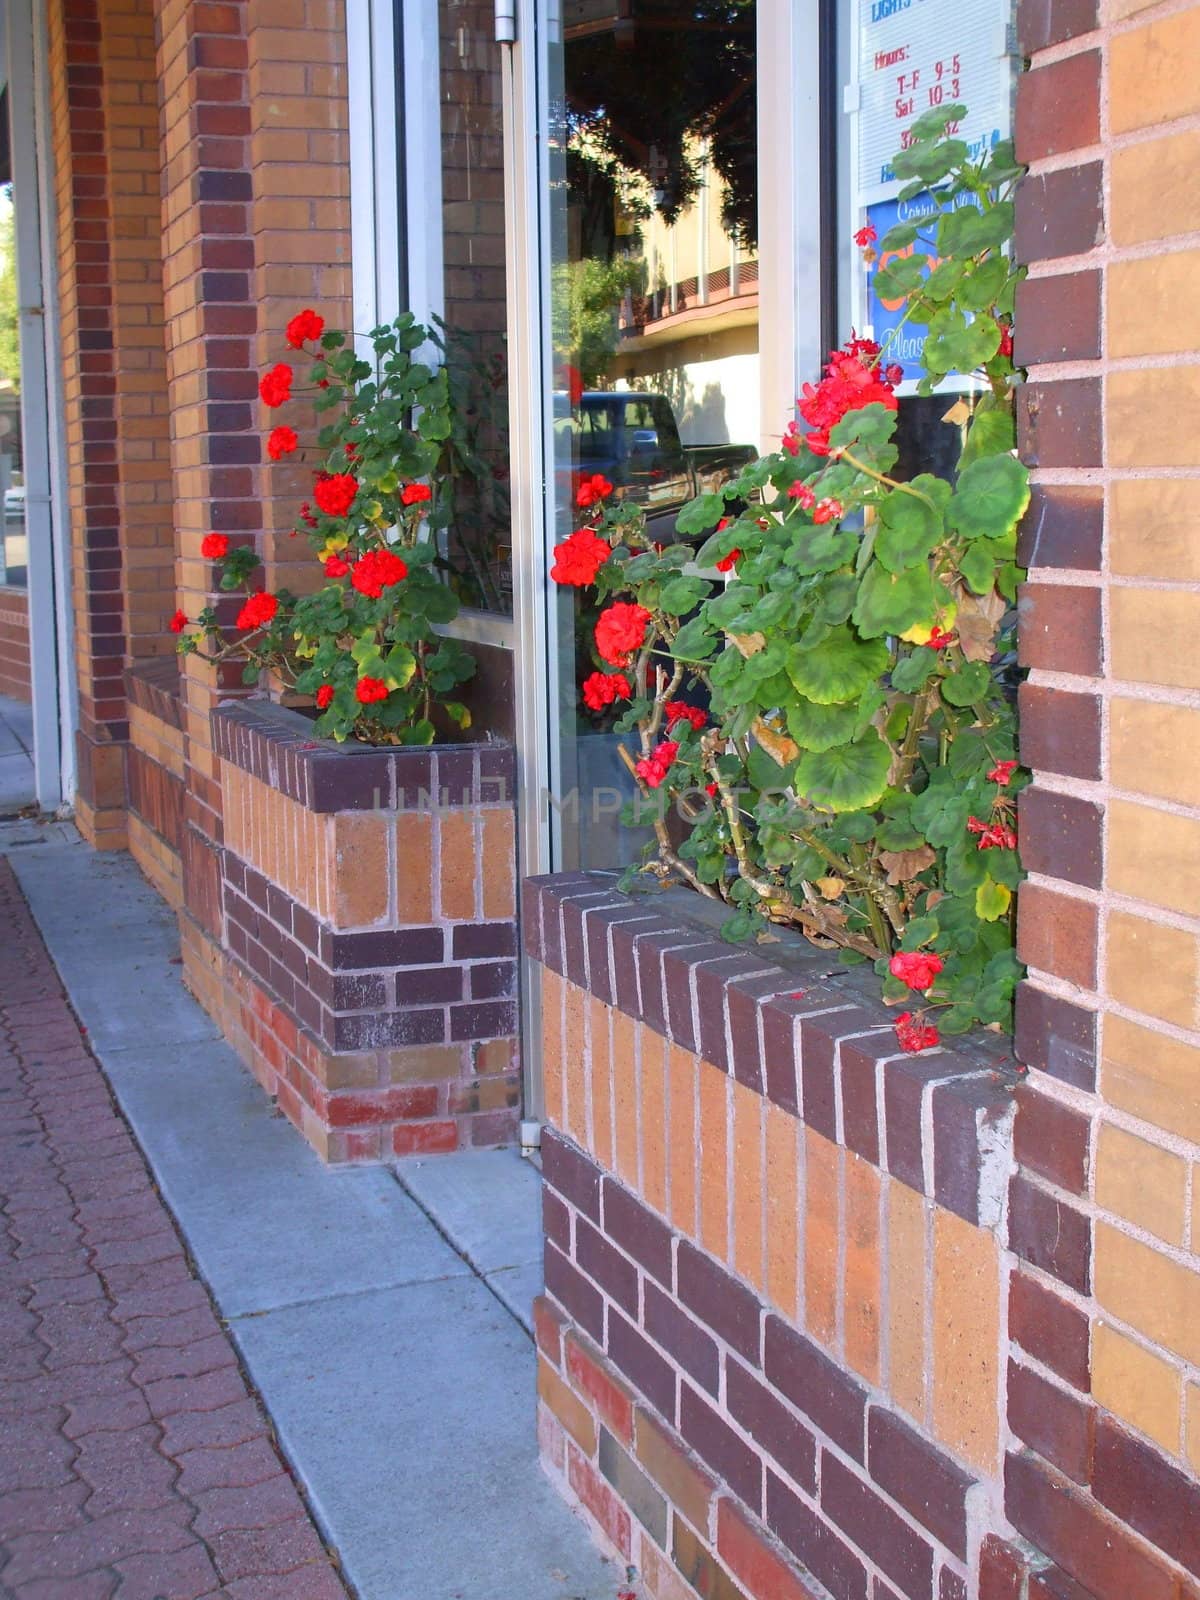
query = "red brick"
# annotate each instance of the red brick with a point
(1001, 1570)
(548, 1326)
(1054, 1421)
(424, 1138)
(1050, 1329)
(1148, 1492)
(755, 1560)
(1058, 107)
(610, 1398)
(600, 1500)
(1051, 1138)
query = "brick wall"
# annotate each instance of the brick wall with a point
(14, 644)
(156, 769)
(1104, 1397)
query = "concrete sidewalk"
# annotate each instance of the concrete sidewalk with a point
(17, 788)
(372, 1309)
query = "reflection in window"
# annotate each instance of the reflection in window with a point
(13, 542)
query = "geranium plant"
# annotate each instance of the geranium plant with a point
(831, 720)
(363, 644)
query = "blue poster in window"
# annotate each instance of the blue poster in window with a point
(901, 341)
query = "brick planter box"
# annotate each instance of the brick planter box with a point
(368, 973)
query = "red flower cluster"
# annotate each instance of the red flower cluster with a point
(620, 630)
(802, 492)
(727, 563)
(993, 835)
(851, 381)
(368, 690)
(304, 325)
(579, 558)
(258, 610)
(334, 492)
(791, 439)
(324, 696)
(1006, 340)
(376, 571)
(592, 490)
(336, 566)
(827, 510)
(214, 545)
(1002, 772)
(938, 640)
(275, 387)
(680, 711)
(652, 770)
(916, 968)
(914, 1034)
(866, 236)
(415, 494)
(178, 622)
(600, 689)
(281, 442)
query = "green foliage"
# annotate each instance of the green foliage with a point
(858, 755)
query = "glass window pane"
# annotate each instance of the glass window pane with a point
(13, 541)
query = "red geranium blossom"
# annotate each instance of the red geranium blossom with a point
(827, 510)
(376, 571)
(916, 968)
(711, 789)
(324, 696)
(621, 630)
(914, 1034)
(802, 492)
(1002, 772)
(993, 835)
(304, 325)
(851, 381)
(600, 689)
(281, 442)
(653, 769)
(579, 558)
(593, 489)
(1006, 340)
(938, 640)
(178, 622)
(334, 492)
(791, 439)
(727, 563)
(866, 236)
(336, 566)
(258, 611)
(214, 545)
(368, 690)
(275, 387)
(414, 494)
(894, 374)
(680, 711)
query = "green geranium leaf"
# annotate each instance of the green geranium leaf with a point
(991, 433)
(845, 777)
(701, 514)
(398, 666)
(819, 727)
(821, 549)
(893, 603)
(990, 497)
(992, 900)
(983, 283)
(899, 237)
(968, 685)
(682, 595)
(912, 672)
(900, 277)
(838, 669)
(695, 641)
(978, 567)
(911, 527)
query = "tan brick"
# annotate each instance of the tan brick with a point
(1193, 1425)
(966, 1339)
(567, 1407)
(600, 1082)
(1136, 1385)
(747, 1252)
(1148, 1291)
(1152, 1076)
(1153, 968)
(822, 1210)
(362, 870)
(907, 1279)
(862, 1286)
(1151, 76)
(499, 864)
(783, 1211)
(1155, 748)
(427, 1063)
(1151, 526)
(456, 843)
(1152, 308)
(1147, 181)
(1171, 618)
(714, 1160)
(681, 1143)
(496, 1056)
(575, 1051)
(1147, 417)
(625, 1097)
(673, 1468)
(653, 1118)
(414, 868)
(1142, 1183)
(1154, 856)
(552, 1047)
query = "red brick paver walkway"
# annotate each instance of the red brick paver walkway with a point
(134, 1462)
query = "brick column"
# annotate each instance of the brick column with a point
(1104, 1397)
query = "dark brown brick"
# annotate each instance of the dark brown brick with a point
(1041, 23)
(743, 1002)
(716, 988)
(574, 1293)
(1051, 1138)
(679, 967)
(556, 1221)
(875, 1528)
(1061, 836)
(1060, 213)
(820, 1037)
(919, 1477)
(1058, 107)
(1148, 1492)
(1060, 628)
(567, 1169)
(1060, 731)
(815, 1385)
(650, 1375)
(951, 1586)
(771, 1425)
(638, 1231)
(1056, 1036)
(1056, 1517)
(1059, 423)
(615, 1273)
(634, 1487)
(963, 1110)
(1057, 319)
(904, 1089)
(719, 1300)
(720, 1448)
(858, 1080)
(1053, 1584)
(671, 1327)
(1002, 1570)
(1051, 1330)
(411, 947)
(811, 1539)
(1050, 1234)
(1055, 1422)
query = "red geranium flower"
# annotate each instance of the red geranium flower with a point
(334, 492)
(894, 374)
(324, 696)
(1006, 340)
(367, 690)
(593, 489)
(993, 835)
(413, 494)
(275, 387)
(791, 439)
(802, 492)
(600, 689)
(851, 381)
(579, 558)
(827, 510)
(865, 236)
(214, 545)
(916, 968)
(178, 622)
(619, 631)
(281, 442)
(336, 566)
(303, 326)
(258, 611)
(938, 640)
(1002, 772)
(915, 1035)
(727, 563)
(653, 769)
(680, 711)
(711, 789)
(376, 571)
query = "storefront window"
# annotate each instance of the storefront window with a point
(13, 539)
